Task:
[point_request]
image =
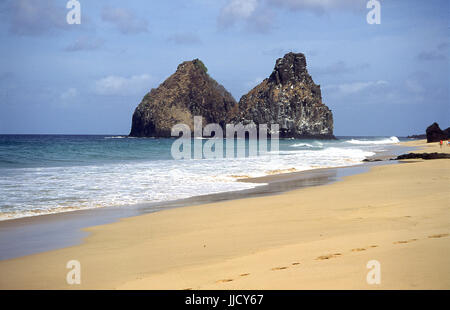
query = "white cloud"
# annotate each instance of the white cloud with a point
(27, 17)
(320, 6)
(252, 14)
(118, 85)
(236, 10)
(125, 20)
(240, 8)
(355, 87)
(259, 15)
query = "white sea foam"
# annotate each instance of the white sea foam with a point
(117, 137)
(301, 145)
(391, 140)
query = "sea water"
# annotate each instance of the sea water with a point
(41, 174)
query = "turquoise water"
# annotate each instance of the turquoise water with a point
(42, 174)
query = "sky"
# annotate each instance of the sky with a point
(381, 79)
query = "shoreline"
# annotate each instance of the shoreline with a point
(36, 234)
(314, 237)
(10, 216)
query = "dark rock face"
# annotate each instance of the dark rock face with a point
(290, 98)
(188, 92)
(423, 156)
(370, 160)
(435, 134)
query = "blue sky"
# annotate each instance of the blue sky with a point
(386, 79)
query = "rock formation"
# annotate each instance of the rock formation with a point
(423, 156)
(188, 92)
(290, 98)
(435, 134)
(417, 136)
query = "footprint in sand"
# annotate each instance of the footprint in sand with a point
(438, 236)
(244, 274)
(295, 263)
(404, 241)
(323, 257)
(364, 249)
(358, 249)
(279, 268)
(224, 281)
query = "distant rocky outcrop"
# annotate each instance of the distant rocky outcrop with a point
(190, 91)
(417, 136)
(435, 133)
(423, 156)
(290, 98)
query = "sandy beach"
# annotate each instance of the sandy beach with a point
(312, 238)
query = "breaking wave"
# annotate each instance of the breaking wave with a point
(391, 140)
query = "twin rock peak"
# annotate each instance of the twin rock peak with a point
(289, 98)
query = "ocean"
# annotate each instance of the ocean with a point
(42, 174)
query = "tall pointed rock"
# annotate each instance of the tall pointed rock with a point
(290, 98)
